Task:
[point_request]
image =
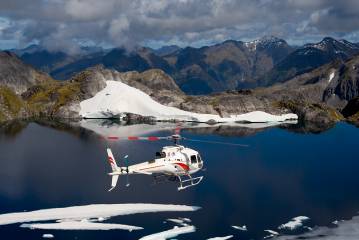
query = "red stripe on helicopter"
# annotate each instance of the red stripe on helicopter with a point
(112, 138)
(153, 138)
(111, 160)
(184, 166)
(132, 138)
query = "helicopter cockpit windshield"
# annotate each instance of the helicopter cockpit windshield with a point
(193, 159)
(199, 158)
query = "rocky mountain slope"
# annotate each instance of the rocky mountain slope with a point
(229, 65)
(15, 78)
(18, 76)
(309, 57)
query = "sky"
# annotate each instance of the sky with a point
(67, 24)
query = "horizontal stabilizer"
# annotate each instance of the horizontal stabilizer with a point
(113, 182)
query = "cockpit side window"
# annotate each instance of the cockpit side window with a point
(160, 154)
(193, 159)
(199, 158)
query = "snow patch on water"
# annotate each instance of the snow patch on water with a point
(47, 235)
(118, 98)
(241, 228)
(179, 221)
(221, 238)
(95, 211)
(174, 232)
(294, 223)
(80, 225)
(271, 233)
(348, 230)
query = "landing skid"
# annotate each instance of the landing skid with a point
(190, 182)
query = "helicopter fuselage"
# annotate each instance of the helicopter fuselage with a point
(172, 160)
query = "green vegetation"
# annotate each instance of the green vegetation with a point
(354, 118)
(10, 104)
(51, 97)
(13, 103)
(214, 102)
(2, 116)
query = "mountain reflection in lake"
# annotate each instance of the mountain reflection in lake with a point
(282, 174)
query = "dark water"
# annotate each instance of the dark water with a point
(281, 175)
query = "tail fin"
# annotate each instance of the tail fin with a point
(114, 167)
(112, 160)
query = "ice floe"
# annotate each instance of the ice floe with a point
(345, 230)
(179, 221)
(47, 235)
(174, 232)
(294, 223)
(80, 225)
(118, 98)
(271, 233)
(94, 211)
(221, 238)
(241, 228)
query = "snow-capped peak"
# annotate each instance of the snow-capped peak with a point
(264, 41)
(331, 42)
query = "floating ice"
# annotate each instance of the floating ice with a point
(348, 230)
(179, 221)
(94, 211)
(169, 233)
(80, 225)
(47, 235)
(271, 233)
(221, 238)
(243, 228)
(185, 219)
(294, 223)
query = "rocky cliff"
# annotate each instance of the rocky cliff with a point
(18, 76)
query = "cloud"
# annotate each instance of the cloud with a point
(62, 24)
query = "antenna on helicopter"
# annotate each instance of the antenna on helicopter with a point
(125, 160)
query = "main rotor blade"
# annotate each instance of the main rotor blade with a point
(215, 142)
(132, 138)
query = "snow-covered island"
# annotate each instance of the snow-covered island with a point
(118, 98)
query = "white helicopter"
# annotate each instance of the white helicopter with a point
(172, 161)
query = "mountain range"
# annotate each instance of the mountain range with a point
(230, 65)
(323, 95)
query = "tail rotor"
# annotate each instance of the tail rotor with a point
(116, 170)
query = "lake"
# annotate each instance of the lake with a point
(287, 171)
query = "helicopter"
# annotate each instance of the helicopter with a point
(174, 161)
